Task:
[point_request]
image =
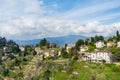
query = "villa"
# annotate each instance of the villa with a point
(22, 48)
(110, 43)
(118, 44)
(100, 44)
(50, 53)
(83, 48)
(97, 56)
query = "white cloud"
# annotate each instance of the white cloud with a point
(32, 28)
(85, 11)
(15, 8)
(91, 12)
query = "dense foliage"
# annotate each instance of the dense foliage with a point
(43, 43)
(8, 46)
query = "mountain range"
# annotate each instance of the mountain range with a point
(69, 39)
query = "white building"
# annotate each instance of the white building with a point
(98, 56)
(118, 44)
(100, 44)
(22, 48)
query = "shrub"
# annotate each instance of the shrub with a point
(116, 69)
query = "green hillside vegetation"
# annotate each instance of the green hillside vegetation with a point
(89, 71)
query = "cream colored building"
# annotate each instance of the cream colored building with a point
(83, 48)
(110, 43)
(46, 54)
(38, 50)
(69, 47)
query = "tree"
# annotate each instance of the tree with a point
(71, 52)
(75, 53)
(92, 41)
(47, 44)
(44, 43)
(64, 54)
(101, 38)
(117, 54)
(110, 39)
(8, 46)
(87, 41)
(98, 38)
(12, 47)
(17, 61)
(79, 43)
(2, 42)
(113, 49)
(28, 48)
(6, 72)
(66, 45)
(34, 52)
(117, 33)
(47, 74)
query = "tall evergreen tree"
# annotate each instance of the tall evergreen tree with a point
(87, 41)
(117, 33)
(66, 45)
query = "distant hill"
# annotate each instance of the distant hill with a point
(70, 39)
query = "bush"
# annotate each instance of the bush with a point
(110, 65)
(116, 69)
(91, 48)
(12, 74)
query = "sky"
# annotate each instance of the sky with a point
(34, 19)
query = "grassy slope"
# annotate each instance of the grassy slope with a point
(86, 71)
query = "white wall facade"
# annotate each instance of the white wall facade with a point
(100, 44)
(98, 56)
(118, 44)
